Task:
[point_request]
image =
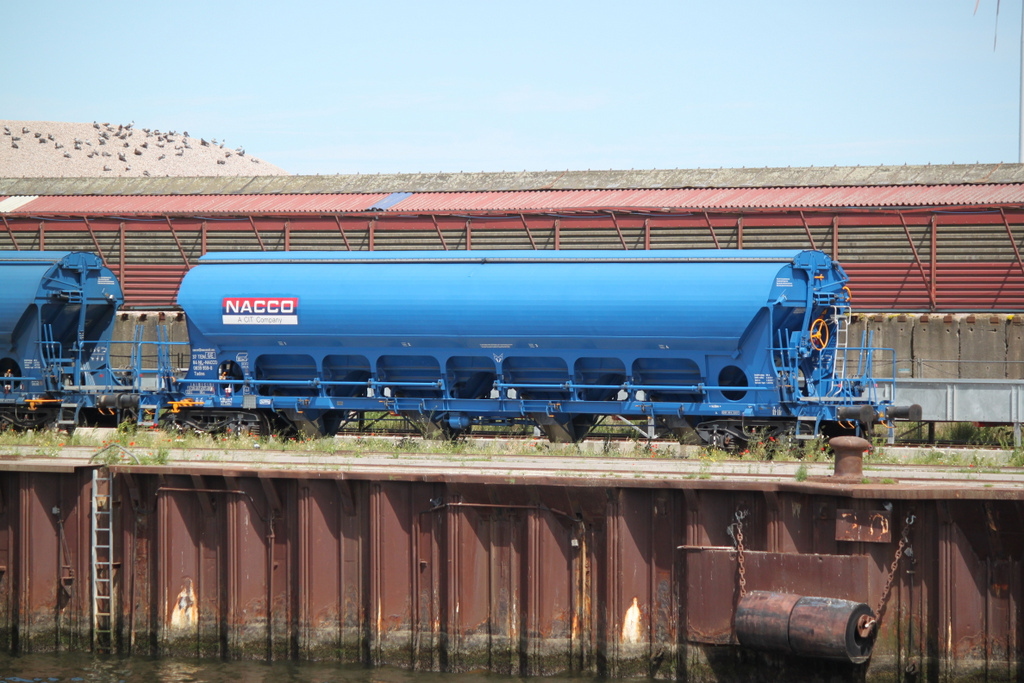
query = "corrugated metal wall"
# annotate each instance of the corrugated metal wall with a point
(917, 261)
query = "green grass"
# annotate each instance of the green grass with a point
(157, 447)
(44, 438)
(961, 434)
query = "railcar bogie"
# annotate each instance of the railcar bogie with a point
(25, 418)
(230, 422)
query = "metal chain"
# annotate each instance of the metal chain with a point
(904, 542)
(867, 625)
(736, 531)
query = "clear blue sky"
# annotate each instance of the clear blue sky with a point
(381, 87)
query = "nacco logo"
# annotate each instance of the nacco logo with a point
(260, 305)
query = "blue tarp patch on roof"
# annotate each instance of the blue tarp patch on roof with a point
(390, 201)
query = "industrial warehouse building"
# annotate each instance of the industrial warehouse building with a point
(924, 239)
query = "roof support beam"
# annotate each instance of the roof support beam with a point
(181, 250)
(618, 230)
(528, 233)
(932, 289)
(917, 259)
(711, 229)
(807, 229)
(341, 229)
(95, 242)
(122, 256)
(257, 232)
(10, 230)
(835, 238)
(1013, 242)
(440, 235)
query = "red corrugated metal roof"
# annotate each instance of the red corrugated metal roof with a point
(536, 200)
(200, 204)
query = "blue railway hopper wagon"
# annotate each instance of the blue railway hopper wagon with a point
(56, 321)
(728, 343)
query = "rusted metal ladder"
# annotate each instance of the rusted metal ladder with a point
(102, 561)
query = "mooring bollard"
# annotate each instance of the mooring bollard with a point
(849, 451)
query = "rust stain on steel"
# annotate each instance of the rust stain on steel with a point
(185, 608)
(867, 526)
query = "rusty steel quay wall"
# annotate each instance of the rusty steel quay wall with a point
(620, 567)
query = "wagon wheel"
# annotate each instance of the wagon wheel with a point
(819, 334)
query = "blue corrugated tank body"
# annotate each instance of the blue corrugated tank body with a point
(56, 322)
(591, 298)
(558, 337)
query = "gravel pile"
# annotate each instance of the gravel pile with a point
(48, 149)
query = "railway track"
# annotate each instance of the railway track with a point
(971, 473)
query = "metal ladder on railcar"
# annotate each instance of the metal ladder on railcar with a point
(54, 363)
(842, 339)
(151, 383)
(51, 355)
(164, 369)
(102, 561)
(807, 425)
(163, 373)
(137, 358)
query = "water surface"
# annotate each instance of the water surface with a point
(86, 668)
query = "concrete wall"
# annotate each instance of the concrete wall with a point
(148, 322)
(963, 346)
(927, 346)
